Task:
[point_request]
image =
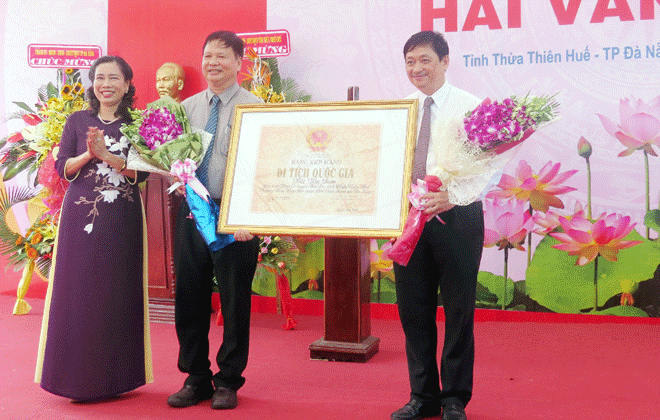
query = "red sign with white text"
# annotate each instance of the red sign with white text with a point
(62, 56)
(269, 43)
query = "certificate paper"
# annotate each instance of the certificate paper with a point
(332, 169)
(317, 169)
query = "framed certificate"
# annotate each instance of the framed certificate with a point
(339, 169)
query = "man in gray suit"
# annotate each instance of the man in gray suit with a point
(234, 265)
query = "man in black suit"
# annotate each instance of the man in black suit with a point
(447, 255)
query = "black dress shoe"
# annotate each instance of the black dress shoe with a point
(416, 409)
(453, 412)
(224, 399)
(190, 395)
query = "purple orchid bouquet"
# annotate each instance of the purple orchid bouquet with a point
(472, 149)
(498, 127)
(159, 126)
(165, 143)
(161, 134)
(469, 152)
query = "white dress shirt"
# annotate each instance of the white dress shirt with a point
(450, 102)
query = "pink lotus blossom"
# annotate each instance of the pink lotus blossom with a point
(506, 223)
(549, 220)
(640, 125)
(584, 148)
(588, 240)
(540, 190)
(380, 261)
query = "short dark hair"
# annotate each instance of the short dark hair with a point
(432, 38)
(230, 39)
(128, 98)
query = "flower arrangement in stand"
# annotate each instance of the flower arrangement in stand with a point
(39, 240)
(263, 80)
(37, 245)
(33, 150)
(277, 255)
(29, 148)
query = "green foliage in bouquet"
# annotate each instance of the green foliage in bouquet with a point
(539, 108)
(166, 121)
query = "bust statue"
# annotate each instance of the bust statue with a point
(169, 80)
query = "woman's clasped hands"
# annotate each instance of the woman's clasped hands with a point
(96, 143)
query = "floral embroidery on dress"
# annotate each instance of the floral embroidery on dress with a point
(110, 183)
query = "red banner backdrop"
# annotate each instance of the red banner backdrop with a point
(149, 33)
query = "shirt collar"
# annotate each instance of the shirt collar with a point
(440, 95)
(225, 96)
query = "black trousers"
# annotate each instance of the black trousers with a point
(195, 266)
(446, 256)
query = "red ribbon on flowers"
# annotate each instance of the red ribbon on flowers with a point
(286, 301)
(405, 245)
(510, 145)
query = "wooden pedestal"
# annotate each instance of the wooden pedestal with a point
(160, 209)
(347, 313)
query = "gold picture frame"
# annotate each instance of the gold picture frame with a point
(336, 169)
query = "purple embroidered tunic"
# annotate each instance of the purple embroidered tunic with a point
(93, 335)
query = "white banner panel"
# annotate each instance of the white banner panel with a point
(591, 53)
(51, 22)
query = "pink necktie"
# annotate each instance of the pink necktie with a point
(422, 149)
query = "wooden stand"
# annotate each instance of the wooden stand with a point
(347, 299)
(161, 209)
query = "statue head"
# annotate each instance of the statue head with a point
(169, 80)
